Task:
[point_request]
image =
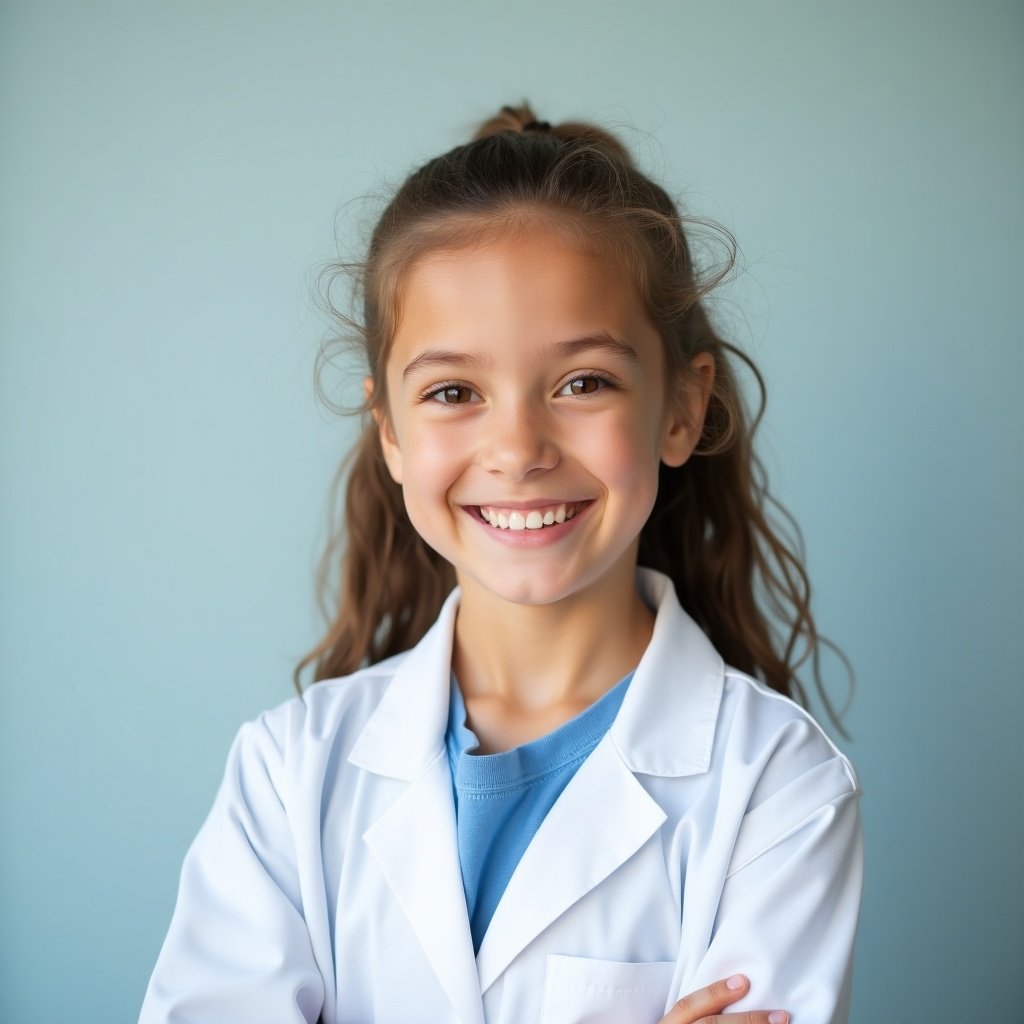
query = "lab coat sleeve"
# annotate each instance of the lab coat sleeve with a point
(238, 948)
(789, 906)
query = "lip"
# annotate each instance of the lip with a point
(521, 506)
(530, 538)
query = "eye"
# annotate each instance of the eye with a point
(586, 384)
(450, 394)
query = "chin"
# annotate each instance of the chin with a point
(522, 592)
(530, 589)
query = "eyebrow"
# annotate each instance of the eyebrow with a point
(602, 341)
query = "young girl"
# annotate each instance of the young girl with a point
(552, 772)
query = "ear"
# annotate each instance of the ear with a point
(386, 432)
(686, 417)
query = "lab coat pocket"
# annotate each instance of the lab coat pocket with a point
(578, 990)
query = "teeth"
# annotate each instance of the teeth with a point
(535, 519)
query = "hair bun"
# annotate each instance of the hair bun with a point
(510, 119)
(522, 119)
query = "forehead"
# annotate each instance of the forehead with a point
(531, 282)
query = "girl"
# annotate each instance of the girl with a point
(552, 772)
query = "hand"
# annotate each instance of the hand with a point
(705, 1006)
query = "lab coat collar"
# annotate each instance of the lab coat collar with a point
(665, 726)
(405, 734)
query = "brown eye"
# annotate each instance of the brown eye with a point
(584, 385)
(454, 394)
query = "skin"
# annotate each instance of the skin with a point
(494, 399)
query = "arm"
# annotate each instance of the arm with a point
(788, 910)
(238, 948)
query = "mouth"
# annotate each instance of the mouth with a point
(536, 518)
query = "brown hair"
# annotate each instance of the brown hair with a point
(715, 529)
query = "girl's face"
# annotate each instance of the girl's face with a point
(528, 413)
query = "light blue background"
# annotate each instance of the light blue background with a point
(169, 178)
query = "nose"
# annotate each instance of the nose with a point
(518, 441)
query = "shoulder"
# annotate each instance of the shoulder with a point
(318, 724)
(777, 737)
(780, 763)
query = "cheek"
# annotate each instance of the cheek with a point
(431, 462)
(628, 453)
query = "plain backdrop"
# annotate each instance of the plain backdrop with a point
(171, 175)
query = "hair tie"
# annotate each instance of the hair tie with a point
(537, 126)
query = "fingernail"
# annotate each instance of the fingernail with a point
(778, 1017)
(736, 982)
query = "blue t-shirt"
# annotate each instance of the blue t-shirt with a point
(501, 799)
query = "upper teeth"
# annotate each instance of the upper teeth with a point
(534, 519)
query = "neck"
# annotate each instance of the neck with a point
(539, 657)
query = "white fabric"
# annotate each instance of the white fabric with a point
(714, 830)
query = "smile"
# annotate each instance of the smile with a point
(529, 519)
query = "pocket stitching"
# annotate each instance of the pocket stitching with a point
(621, 990)
(575, 985)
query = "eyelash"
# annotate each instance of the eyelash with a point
(450, 385)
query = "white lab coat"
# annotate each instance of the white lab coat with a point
(713, 830)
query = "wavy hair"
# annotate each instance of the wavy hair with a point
(734, 554)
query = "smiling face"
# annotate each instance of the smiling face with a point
(527, 414)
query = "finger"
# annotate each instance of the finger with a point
(705, 1006)
(749, 1017)
(707, 1001)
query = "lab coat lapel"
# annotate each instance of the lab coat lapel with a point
(415, 845)
(414, 841)
(601, 819)
(665, 727)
